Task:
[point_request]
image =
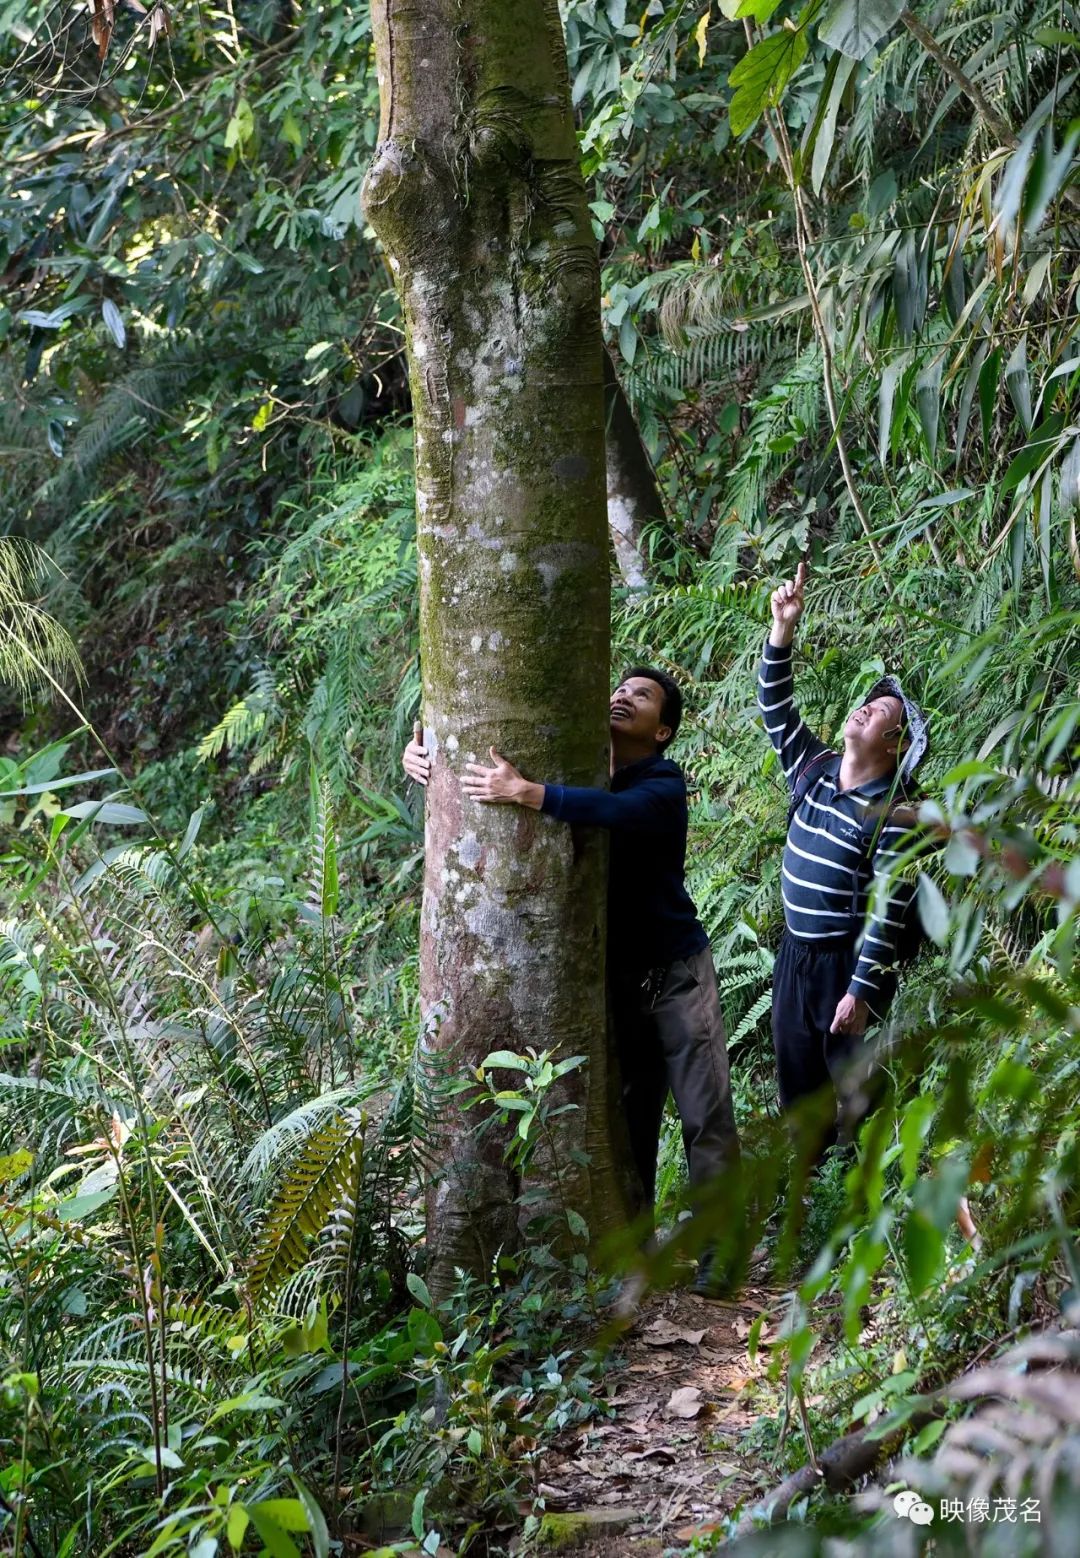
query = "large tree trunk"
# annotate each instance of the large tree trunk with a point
(634, 500)
(476, 192)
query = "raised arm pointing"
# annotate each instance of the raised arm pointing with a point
(787, 607)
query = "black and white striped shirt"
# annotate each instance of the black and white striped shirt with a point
(826, 848)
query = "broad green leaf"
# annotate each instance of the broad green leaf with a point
(191, 832)
(320, 1536)
(1036, 277)
(168, 1457)
(77, 1207)
(274, 1538)
(927, 1437)
(236, 1526)
(761, 76)
(57, 784)
(505, 1058)
(924, 1249)
(914, 1129)
(416, 1520)
(53, 318)
(700, 34)
(419, 1290)
(933, 910)
(756, 10)
(106, 811)
(1033, 453)
(1050, 37)
(288, 1513)
(945, 500)
(854, 26)
(241, 127)
(250, 1401)
(114, 322)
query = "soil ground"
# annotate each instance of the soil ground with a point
(669, 1460)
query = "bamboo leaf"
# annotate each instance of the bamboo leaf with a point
(928, 402)
(989, 375)
(821, 134)
(1018, 382)
(890, 378)
(909, 286)
(967, 397)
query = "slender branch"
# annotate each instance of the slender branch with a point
(960, 78)
(996, 122)
(803, 238)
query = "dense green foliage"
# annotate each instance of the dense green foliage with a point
(844, 306)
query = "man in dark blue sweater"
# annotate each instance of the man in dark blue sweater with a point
(666, 1007)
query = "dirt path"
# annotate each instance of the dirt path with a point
(672, 1459)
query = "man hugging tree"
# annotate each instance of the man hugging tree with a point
(669, 1028)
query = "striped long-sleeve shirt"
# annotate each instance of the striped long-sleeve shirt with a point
(826, 849)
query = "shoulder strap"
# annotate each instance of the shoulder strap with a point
(803, 780)
(900, 809)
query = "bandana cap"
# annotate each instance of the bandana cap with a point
(918, 728)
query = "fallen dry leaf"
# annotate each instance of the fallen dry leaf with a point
(688, 1533)
(655, 1452)
(685, 1402)
(662, 1334)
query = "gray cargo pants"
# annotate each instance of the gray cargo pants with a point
(669, 1031)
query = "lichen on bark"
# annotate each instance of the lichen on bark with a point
(476, 193)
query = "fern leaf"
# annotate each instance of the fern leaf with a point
(326, 1174)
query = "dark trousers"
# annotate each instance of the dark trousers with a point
(809, 979)
(669, 1030)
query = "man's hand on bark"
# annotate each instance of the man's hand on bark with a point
(415, 759)
(851, 1016)
(502, 784)
(787, 607)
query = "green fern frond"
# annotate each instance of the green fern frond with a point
(326, 1173)
(34, 649)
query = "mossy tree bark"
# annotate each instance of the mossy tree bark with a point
(476, 193)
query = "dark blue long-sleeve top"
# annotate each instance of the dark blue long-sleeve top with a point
(651, 917)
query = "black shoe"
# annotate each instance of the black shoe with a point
(714, 1279)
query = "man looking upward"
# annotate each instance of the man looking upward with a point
(836, 965)
(665, 1004)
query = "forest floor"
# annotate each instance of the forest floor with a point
(670, 1459)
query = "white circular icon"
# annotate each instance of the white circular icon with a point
(905, 1502)
(921, 1513)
